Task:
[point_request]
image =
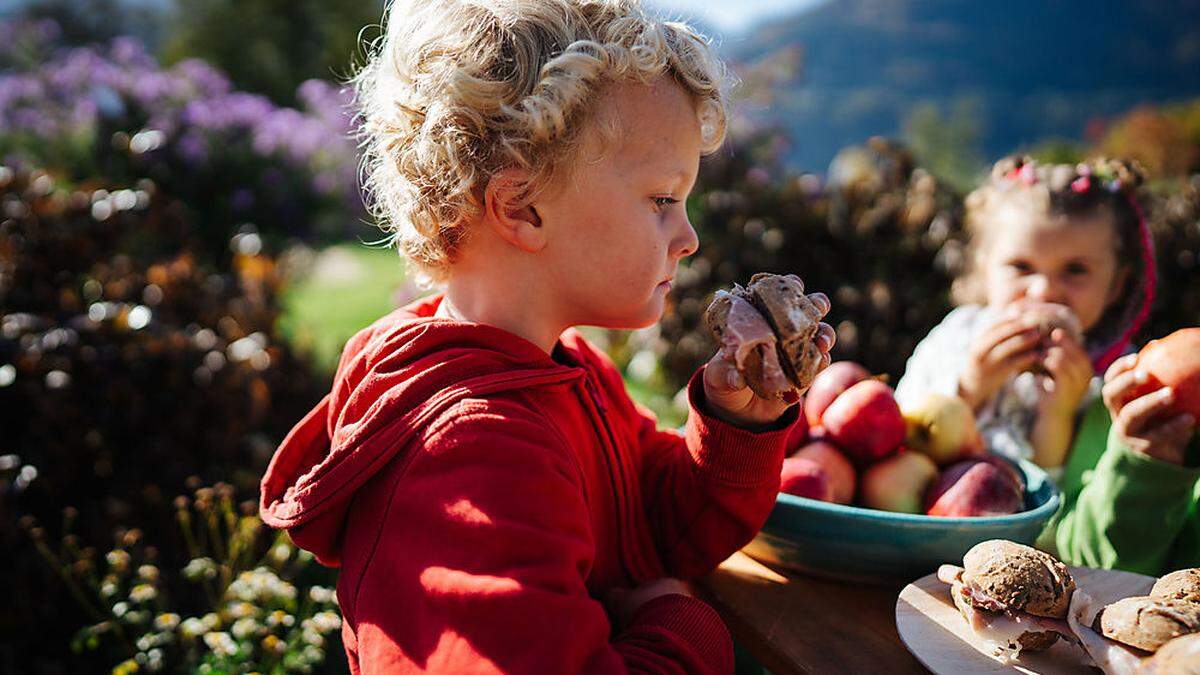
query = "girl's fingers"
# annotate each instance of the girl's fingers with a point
(1138, 414)
(1169, 438)
(1122, 388)
(1018, 344)
(1121, 365)
(1178, 430)
(1005, 330)
(1019, 362)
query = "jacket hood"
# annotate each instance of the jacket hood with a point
(394, 377)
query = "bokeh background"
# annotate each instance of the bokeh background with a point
(183, 251)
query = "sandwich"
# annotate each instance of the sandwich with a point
(1014, 597)
(768, 331)
(1180, 656)
(1179, 585)
(1133, 634)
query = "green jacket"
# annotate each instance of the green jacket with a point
(1122, 509)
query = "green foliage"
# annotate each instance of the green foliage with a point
(1058, 151)
(947, 145)
(246, 601)
(271, 46)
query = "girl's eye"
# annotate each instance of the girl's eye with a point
(1020, 266)
(661, 203)
(1077, 269)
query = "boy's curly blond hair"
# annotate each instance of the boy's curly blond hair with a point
(457, 90)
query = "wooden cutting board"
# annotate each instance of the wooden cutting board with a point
(936, 633)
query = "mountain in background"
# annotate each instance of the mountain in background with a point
(1022, 71)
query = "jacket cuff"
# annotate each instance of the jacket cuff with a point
(730, 453)
(694, 622)
(1136, 467)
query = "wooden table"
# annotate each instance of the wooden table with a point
(802, 624)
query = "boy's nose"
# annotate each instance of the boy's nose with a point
(686, 242)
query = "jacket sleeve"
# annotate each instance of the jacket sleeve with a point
(709, 490)
(480, 562)
(1128, 513)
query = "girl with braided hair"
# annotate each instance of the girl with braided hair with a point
(1060, 276)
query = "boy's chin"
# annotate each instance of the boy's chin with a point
(635, 320)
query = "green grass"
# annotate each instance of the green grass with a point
(322, 311)
(325, 308)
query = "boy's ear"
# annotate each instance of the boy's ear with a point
(508, 213)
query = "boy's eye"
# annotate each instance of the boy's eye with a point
(1077, 269)
(1020, 266)
(663, 202)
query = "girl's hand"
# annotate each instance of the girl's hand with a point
(996, 355)
(1143, 420)
(624, 603)
(1070, 372)
(732, 401)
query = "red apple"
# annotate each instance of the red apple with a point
(838, 469)
(805, 478)
(865, 422)
(1174, 361)
(974, 488)
(898, 483)
(828, 385)
(1006, 466)
(942, 427)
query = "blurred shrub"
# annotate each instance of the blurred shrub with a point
(882, 238)
(229, 156)
(127, 365)
(1166, 140)
(270, 47)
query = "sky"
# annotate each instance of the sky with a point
(732, 16)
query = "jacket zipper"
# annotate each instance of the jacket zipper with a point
(635, 567)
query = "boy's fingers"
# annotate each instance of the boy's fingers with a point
(826, 337)
(719, 374)
(1121, 365)
(821, 301)
(1136, 415)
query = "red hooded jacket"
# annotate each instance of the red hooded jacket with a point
(481, 497)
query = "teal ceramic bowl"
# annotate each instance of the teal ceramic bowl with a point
(865, 545)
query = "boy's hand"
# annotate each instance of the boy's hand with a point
(1070, 372)
(624, 603)
(731, 400)
(996, 355)
(1143, 420)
